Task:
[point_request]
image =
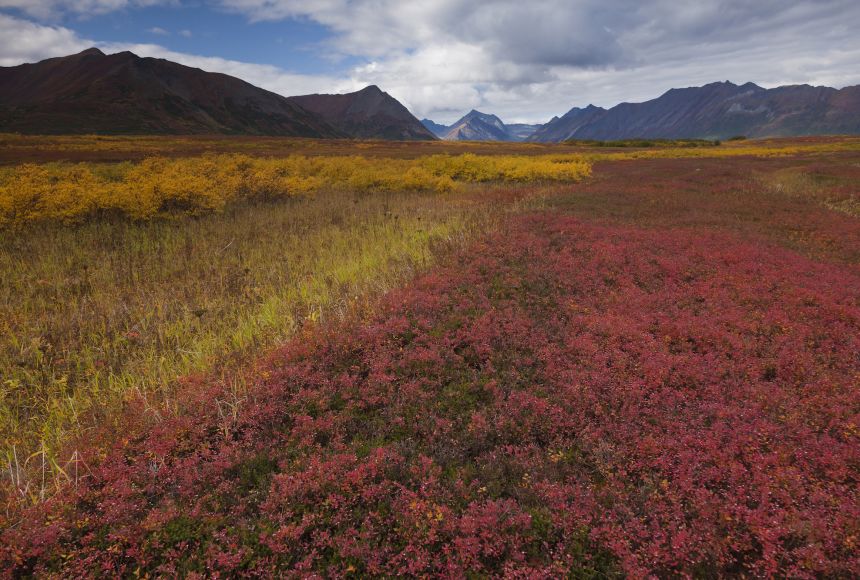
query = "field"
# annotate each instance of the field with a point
(430, 359)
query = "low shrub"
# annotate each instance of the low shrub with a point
(159, 186)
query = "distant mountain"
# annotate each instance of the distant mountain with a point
(716, 111)
(521, 131)
(92, 92)
(563, 128)
(367, 114)
(435, 128)
(478, 126)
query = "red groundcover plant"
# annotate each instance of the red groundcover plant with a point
(564, 399)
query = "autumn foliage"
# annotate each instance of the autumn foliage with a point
(171, 177)
(159, 186)
(563, 397)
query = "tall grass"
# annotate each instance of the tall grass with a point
(95, 313)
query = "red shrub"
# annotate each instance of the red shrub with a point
(564, 396)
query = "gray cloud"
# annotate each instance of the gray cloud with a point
(527, 61)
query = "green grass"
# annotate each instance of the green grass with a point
(94, 314)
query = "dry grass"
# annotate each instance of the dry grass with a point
(93, 314)
(836, 188)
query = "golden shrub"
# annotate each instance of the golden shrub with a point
(194, 185)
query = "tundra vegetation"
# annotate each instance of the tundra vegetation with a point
(497, 360)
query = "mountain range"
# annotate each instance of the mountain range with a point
(122, 93)
(478, 126)
(715, 111)
(92, 92)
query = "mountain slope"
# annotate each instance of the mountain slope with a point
(565, 127)
(92, 92)
(521, 131)
(367, 114)
(478, 126)
(435, 128)
(716, 111)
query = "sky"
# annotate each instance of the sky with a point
(523, 60)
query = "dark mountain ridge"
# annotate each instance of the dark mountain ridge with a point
(716, 111)
(122, 93)
(565, 127)
(367, 114)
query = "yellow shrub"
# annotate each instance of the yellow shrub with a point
(477, 168)
(159, 186)
(23, 195)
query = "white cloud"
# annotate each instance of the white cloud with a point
(54, 9)
(185, 33)
(524, 61)
(24, 41)
(268, 77)
(158, 31)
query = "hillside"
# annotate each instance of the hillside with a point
(122, 93)
(367, 114)
(716, 111)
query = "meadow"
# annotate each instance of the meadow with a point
(590, 361)
(109, 310)
(120, 278)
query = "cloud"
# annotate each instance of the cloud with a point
(25, 41)
(497, 54)
(524, 61)
(269, 77)
(55, 9)
(158, 31)
(185, 33)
